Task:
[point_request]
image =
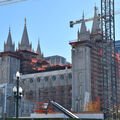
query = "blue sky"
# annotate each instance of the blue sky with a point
(48, 20)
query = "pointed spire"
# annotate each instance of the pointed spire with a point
(25, 20)
(39, 50)
(38, 47)
(83, 26)
(83, 34)
(9, 46)
(25, 40)
(83, 15)
(78, 34)
(96, 21)
(9, 39)
(42, 55)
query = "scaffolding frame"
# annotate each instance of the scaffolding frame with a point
(109, 57)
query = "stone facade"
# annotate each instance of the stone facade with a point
(81, 72)
(56, 60)
(9, 64)
(52, 85)
(86, 66)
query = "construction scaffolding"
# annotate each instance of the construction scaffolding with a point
(109, 67)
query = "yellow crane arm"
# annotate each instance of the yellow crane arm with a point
(87, 20)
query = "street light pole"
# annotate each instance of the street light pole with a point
(17, 96)
(17, 93)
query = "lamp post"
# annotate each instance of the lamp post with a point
(17, 93)
(77, 103)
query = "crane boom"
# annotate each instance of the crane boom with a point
(89, 19)
(7, 2)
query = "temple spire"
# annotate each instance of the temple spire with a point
(83, 26)
(9, 39)
(38, 47)
(25, 20)
(83, 34)
(96, 33)
(25, 40)
(9, 46)
(78, 34)
(96, 22)
(40, 56)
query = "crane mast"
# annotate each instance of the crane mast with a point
(109, 58)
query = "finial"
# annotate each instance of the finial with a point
(25, 20)
(9, 29)
(38, 39)
(95, 8)
(95, 4)
(83, 15)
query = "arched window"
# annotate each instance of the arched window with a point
(53, 77)
(70, 76)
(31, 80)
(62, 77)
(46, 78)
(38, 79)
(80, 77)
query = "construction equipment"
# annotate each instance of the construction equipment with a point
(80, 21)
(7, 2)
(40, 108)
(48, 108)
(88, 19)
(63, 110)
(109, 68)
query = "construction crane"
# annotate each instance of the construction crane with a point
(110, 91)
(88, 19)
(7, 2)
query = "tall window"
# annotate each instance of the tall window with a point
(46, 78)
(80, 77)
(38, 79)
(31, 80)
(54, 77)
(80, 89)
(70, 76)
(62, 77)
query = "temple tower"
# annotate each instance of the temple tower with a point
(81, 70)
(40, 54)
(24, 45)
(96, 33)
(84, 34)
(9, 46)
